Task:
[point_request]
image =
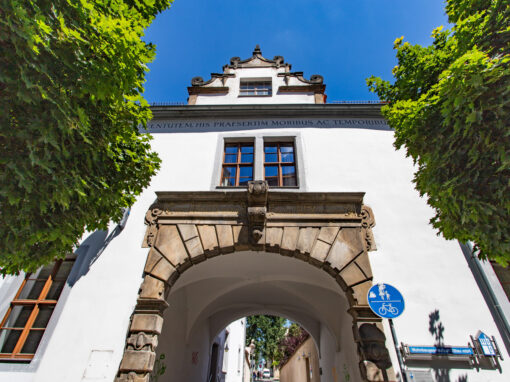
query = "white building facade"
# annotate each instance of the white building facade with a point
(268, 201)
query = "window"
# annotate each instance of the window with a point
(255, 88)
(237, 168)
(275, 158)
(26, 319)
(280, 164)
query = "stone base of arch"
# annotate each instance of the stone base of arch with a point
(331, 231)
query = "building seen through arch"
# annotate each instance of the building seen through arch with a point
(268, 201)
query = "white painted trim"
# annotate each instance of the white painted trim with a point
(258, 167)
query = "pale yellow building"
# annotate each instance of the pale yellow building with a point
(303, 365)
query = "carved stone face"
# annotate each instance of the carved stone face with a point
(373, 346)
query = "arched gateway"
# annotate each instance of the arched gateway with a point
(330, 231)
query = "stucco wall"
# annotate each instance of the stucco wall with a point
(295, 370)
(233, 95)
(94, 311)
(235, 354)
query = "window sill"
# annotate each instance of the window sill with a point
(271, 187)
(231, 187)
(254, 95)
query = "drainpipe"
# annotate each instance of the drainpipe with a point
(488, 293)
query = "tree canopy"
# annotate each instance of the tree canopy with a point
(295, 336)
(267, 333)
(71, 156)
(449, 105)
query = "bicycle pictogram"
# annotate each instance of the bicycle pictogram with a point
(387, 308)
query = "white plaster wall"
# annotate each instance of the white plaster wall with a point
(236, 345)
(250, 73)
(93, 313)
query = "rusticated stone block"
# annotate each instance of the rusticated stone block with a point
(319, 252)
(192, 242)
(306, 240)
(158, 266)
(273, 239)
(346, 247)
(209, 240)
(328, 234)
(225, 238)
(133, 377)
(360, 292)
(148, 323)
(152, 288)
(352, 274)
(169, 243)
(140, 361)
(241, 237)
(364, 264)
(195, 249)
(188, 231)
(289, 240)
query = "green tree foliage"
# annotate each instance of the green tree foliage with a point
(450, 108)
(71, 157)
(295, 336)
(267, 332)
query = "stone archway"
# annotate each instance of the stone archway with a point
(331, 231)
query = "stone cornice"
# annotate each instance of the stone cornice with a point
(361, 110)
(273, 196)
(207, 90)
(319, 88)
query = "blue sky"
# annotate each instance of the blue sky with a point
(344, 41)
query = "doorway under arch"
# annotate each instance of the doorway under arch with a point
(298, 255)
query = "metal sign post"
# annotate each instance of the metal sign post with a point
(387, 302)
(399, 356)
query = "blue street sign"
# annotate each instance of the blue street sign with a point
(486, 345)
(441, 350)
(386, 301)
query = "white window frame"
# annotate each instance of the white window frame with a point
(260, 87)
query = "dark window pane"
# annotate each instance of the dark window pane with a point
(271, 171)
(244, 181)
(287, 148)
(229, 172)
(247, 149)
(228, 182)
(230, 149)
(64, 270)
(287, 157)
(288, 170)
(272, 181)
(41, 321)
(55, 290)
(33, 339)
(32, 289)
(290, 181)
(43, 273)
(8, 340)
(246, 158)
(18, 316)
(231, 158)
(246, 171)
(271, 158)
(270, 148)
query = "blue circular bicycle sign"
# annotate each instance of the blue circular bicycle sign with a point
(386, 301)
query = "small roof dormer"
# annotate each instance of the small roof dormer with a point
(257, 80)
